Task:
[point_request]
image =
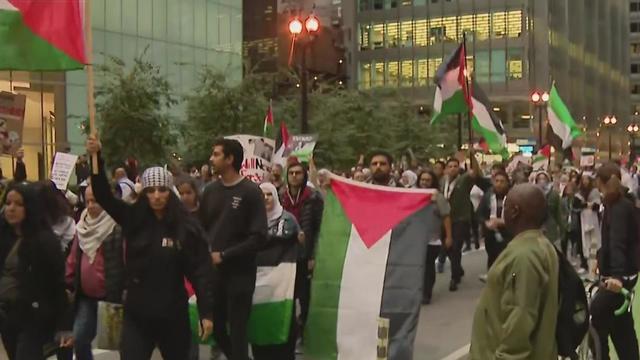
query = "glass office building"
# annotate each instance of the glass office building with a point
(181, 36)
(514, 47)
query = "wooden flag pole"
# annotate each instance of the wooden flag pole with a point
(90, 81)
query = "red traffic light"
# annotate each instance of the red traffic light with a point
(535, 97)
(295, 26)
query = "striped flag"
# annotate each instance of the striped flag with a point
(272, 310)
(454, 97)
(268, 121)
(41, 35)
(367, 284)
(560, 119)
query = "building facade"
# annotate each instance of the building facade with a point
(181, 36)
(634, 50)
(514, 47)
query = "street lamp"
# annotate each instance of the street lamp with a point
(610, 122)
(309, 30)
(540, 100)
(633, 130)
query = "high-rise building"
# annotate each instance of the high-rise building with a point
(514, 47)
(180, 36)
(634, 47)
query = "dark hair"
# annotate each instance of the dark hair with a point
(233, 148)
(607, 170)
(296, 163)
(499, 167)
(440, 162)
(453, 160)
(435, 184)
(54, 202)
(188, 181)
(174, 214)
(503, 174)
(381, 153)
(35, 220)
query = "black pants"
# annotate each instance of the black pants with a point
(303, 291)
(475, 231)
(24, 344)
(493, 248)
(460, 233)
(172, 336)
(232, 299)
(620, 328)
(430, 270)
(575, 237)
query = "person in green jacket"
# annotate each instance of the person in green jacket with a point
(516, 315)
(555, 225)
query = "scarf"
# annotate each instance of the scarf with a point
(276, 213)
(93, 231)
(494, 206)
(294, 206)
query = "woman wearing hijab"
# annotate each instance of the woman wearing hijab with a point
(280, 249)
(33, 303)
(164, 245)
(591, 199)
(94, 271)
(409, 179)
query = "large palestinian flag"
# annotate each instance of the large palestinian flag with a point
(561, 121)
(367, 284)
(455, 94)
(41, 35)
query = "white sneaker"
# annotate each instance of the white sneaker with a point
(483, 278)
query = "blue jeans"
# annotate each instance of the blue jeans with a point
(85, 327)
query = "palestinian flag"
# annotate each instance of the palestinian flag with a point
(268, 121)
(454, 97)
(41, 35)
(272, 310)
(367, 285)
(560, 119)
(282, 143)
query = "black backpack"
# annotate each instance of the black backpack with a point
(573, 310)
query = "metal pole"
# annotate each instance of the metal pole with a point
(304, 125)
(609, 144)
(459, 131)
(539, 127)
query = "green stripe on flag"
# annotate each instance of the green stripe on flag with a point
(456, 104)
(21, 49)
(492, 138)
(321, 330)
(277, 315)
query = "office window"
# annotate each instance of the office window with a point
(635, 89)
(393, 34)
(635, 27)
(365, 34)
(407, 2)
(436, 31)
(364, 5)
(391, 4)
(406, 73)
(365, 75)
(498, 66)
(481, 66)
(635, 48)
(393, 73)
(515, 64)
(378, 75)
(378, 4)
(465, 26)
(634, 6)
(635, 68)
(450, 28)
(514, 24)
(499, 24)
(421, 33)
(406, 32)
(377, 37)
(419, 2)
(432, 67)
(482, 27)
(422, 73)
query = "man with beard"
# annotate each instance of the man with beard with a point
(380, 167)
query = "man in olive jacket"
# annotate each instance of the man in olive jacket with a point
(516, 316)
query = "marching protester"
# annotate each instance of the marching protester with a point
(555, 224)
(235, 219)
(189, 195)
(282, 240)
(442, 220)
(306, 205)
(276, 178)
(518, 309)
(95, 271)
(491, 213)
(409, 179)
(456, 188)
(33, 302)
(617, 265)
(58, 214)
(573, 234)
(164, 245)
(125, 187)
(589, 196)
(380, 165)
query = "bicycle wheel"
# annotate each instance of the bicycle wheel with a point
(590, 348)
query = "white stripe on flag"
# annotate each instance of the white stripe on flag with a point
(437, 101)
(481, 113)
(274, 284)
(361, 297)
(6, 5)
(560, 128)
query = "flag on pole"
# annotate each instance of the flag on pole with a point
(453, 97)
(560, 119)
(268, 121)
(282, 142)
(42, 35)
(367, 283)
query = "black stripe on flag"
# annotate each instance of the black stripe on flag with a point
(451, 63)
(482, 98)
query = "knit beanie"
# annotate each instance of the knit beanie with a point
(157, 176)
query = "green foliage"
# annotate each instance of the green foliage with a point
(132, 107)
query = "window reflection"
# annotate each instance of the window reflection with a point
(394, 72)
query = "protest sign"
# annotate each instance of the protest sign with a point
(587, 160)
(299, 146)
(63, 165)
(258, 154)
(12, 108)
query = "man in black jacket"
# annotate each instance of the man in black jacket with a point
(306, 205)
(617, 264)
(233, 214)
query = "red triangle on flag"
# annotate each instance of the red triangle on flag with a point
(362, 202)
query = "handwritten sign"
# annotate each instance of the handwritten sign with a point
(63, 165)
(12, 107)
(258, 155)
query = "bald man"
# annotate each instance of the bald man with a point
(516, 315)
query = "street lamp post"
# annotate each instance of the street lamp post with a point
(540, 100)
(633, 130)
(310, 28)
(610, 122)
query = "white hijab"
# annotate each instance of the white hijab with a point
(411, 179)
(276, 213)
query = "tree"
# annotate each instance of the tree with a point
(132, 107)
